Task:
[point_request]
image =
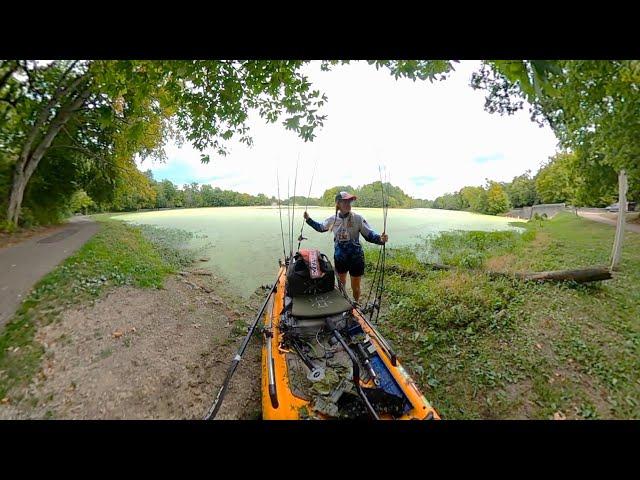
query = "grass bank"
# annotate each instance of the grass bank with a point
(118, 254)
(484, 347)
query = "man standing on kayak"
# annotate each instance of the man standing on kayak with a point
(347, 227)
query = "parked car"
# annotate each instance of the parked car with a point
(614, 207)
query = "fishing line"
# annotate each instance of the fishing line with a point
(289, 217)
(284, 250)
(308, 197)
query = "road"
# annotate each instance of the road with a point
(22, 265)
(597, 217)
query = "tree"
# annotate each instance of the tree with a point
(554, 182)
(497, 199)
(593, 106)
(166, 194)
(370, 195)
(449, 201)
(474, 198)
(329, 196)
(192, 196)
(44, 99)
(298, 200)
(594, 184)
(421, 203)
(133, 192)
(208, 195)
(522, 191)
(80, 202)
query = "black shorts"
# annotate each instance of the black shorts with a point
(354, 265)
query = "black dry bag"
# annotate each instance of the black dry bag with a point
(299, 281)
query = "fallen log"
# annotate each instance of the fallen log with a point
(580, 275)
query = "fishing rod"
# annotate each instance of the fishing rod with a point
(271, 369)
(284, 250)
(379, 278)
(373, 282)
(293, 215)
(377, 284)
(356, 368)
(385, 198)
(300, 237)
(289, 217)
(364, 357)
(376, 272)
(383, 252)
(217, 403)
(381, 340)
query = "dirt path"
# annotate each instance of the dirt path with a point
(146, 354)
(23, 264)
(597, 217)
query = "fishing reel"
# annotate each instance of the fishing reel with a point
(371, 306)
(316, 374)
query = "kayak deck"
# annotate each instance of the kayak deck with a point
(320, 305)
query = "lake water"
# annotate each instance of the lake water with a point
(245, 242)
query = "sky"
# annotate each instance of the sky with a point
(432, 138)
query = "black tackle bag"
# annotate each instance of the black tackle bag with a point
(299, 281)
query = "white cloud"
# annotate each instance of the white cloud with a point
(417, 129)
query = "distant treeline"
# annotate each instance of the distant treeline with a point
(149, 194)
(559, 180)
(370, 195)
(563, 179)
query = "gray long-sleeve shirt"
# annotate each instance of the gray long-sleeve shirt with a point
(347, 232)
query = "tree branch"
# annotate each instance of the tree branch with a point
(26, 153)
(87, 151)
(61, 118)
(5, 78)
(30, 78)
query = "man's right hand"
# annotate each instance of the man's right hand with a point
(305, 215)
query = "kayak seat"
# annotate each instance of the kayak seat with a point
(320, 305)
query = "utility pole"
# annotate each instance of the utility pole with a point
(622, 214)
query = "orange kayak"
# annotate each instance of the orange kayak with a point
(322, 359)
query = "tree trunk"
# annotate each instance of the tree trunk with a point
(29, 160)
(622, 213)
(15, 198)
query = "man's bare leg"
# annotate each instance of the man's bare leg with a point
(342, 277)
(355, 287)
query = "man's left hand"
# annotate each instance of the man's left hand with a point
(384, 238)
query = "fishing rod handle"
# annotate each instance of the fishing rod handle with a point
(217, 403)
